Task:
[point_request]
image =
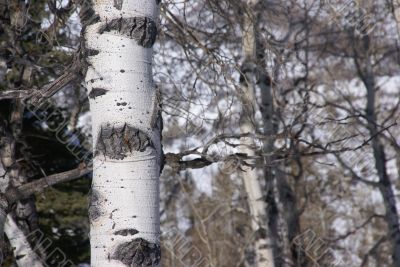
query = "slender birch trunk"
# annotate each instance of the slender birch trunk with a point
(23, 252)
(3, 202)
(126, 127)
(280, 197)
(3, 216)
(396, 13)
(25, 210)
(251, 177)
(283, 217)
(4, 181)
(385, 185)
(392, 218)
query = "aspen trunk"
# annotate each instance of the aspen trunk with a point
(126, 127)
(283, 218)
(280, 197)
(385, 184)
(251, 177)
(365, 71)
(25, 210)
(23, 252)
(3, 203)
(396, 10)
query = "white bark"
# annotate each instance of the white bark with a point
(251, 177)
(3, 216)
(280, 193)
(23, 252)
(4, 180)
(126, 126)
(396, 10)
(258, 208)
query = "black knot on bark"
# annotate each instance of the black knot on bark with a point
(118, 142)
(138, 252)
(142, 29)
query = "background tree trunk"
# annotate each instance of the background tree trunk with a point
(23, 252)
(385, 184)
(251, 175)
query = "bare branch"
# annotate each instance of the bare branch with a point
(38, 186)
(35, 96)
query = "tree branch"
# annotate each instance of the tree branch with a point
(38, 186)
(35, 96)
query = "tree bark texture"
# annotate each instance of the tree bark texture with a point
(126, 127)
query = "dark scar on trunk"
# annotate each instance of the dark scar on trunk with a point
(87, 14)
(92, 52)
(94, 203)
(97, 92)
(126, 232)
(138, 252)
(118, 4)
(158, 2)
(142, 29)
(18, 257)
(117, 142)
